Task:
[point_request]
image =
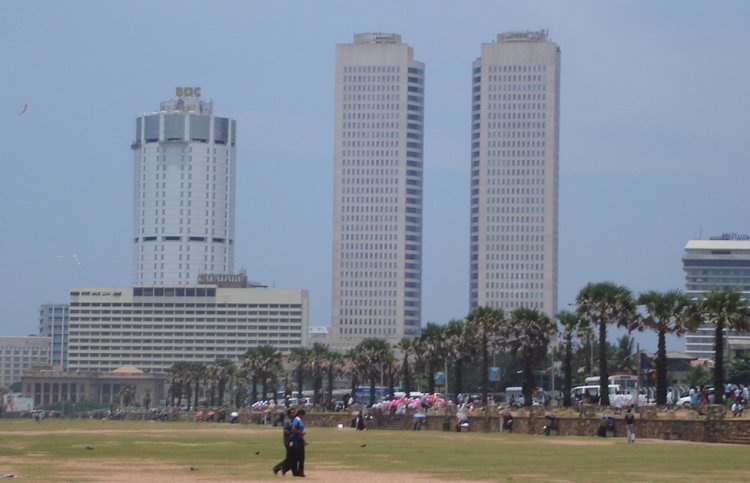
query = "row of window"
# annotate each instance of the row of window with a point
(515, 238)
(379, 331)
(516, 68)
(369, 237)
(367, 69)
(516, 256)
(371, 88)
(515, 144)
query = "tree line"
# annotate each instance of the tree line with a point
(522, 339)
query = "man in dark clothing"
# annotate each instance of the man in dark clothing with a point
(286, 464)
(298, 443)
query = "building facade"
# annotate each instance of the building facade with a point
(53, 323)
(377, 207)
(151, 328)
(19, 354)
(184, 192)
(50, 386)
(719, 263)
(515, 115)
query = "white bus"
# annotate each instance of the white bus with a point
(626, 383)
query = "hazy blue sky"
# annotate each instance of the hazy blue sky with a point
(653, 151)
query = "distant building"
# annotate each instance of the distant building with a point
(719, 263)
(53, 323)
(184, 192)
(515, 130)
(154, 327)
(377, 205)
(678, 367)
(18, 354)
(318, 333)
(50, 386)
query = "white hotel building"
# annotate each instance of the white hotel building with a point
(719, 263)
(184, 193)
(378, 163)
(154, 327)
(514, 173)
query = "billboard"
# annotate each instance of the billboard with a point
(17, 403)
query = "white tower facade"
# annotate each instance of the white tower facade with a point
(378, 156)
(514, 173)
(184, 192)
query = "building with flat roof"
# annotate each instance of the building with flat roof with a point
(51, 385)
(18, 354)
(53, 323)
(719, 263)
(377, 202)
(153, 327)
(184, 192)
(515, 114)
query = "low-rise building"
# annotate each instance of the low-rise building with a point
(52, 385)
(18, 354)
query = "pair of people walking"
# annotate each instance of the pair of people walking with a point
(294, 444)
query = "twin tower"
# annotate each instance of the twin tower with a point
(184, 193)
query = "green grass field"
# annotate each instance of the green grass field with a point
(65, 450)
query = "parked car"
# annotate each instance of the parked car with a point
(684, 401)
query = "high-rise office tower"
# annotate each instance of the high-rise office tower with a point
(53, 323)
(377, 227)
(514, 173)
(184, 192)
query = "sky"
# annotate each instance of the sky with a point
(653, 134)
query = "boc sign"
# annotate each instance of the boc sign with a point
(188, 91)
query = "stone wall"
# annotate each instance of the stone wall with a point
(713, 427)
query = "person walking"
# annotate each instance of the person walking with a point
(703, 400)
(298, 444)
(629, 422)
(286, 464)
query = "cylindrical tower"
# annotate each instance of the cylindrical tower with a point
(184, 192)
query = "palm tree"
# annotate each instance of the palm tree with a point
(528, 333)
(372, 355)
(459, 350)
(334, 362)
(197, 373)
(666, 313)
(300, 357)
(353, 367)
(430, 349)
(605, 303)
(726, 311)
(318, 355)
(262, 364)
(572, 327)
(406, 348)
(179, 373)
(224, 370)
(483, 329)
(624, 354)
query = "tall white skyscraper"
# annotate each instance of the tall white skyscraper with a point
(514, 173)
(377, 227)
(184, 192)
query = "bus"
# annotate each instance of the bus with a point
(626, 383)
